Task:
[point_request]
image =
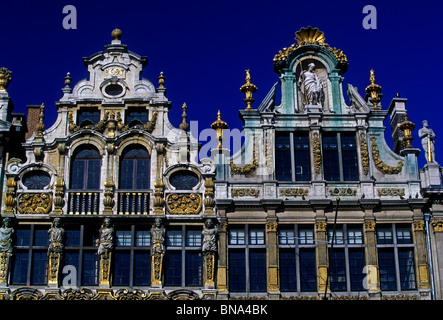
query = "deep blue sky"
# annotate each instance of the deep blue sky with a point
(203, 48)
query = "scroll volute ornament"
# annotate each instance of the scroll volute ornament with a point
(10, 200)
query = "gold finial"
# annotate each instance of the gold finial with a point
(407, 126)
(310, 35)
(248, 89)
(374, 89)
(116, 34)
(40, 125)
(184, 125)
(219, 125)
(161, 80)
(5, 79)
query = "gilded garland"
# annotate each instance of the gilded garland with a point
(364, 153)
(381, 166)
(184, 203)
(247, 168)
(317, 153)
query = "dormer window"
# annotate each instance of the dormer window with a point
(88, 116)
(136, 116)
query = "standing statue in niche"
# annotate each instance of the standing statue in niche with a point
(158, 237)
(106, 237)
(6, 232)
(209, 238)
(310, 86)
(56, 237)
(427, 137)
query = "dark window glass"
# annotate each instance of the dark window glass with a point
(72, 237)
(20, 267)
(113, 89)
(39, 267)
(121, 268)
(386, 264)
(142, 269)
(138, 114)
(257, 270)
(330, 158)
(88, 116)
(183, 180)
(72, 258)
(135, 169)
(36, 180)
(302, 158)
(85, 169)
(90, 268)
(287, 271)
(407, 268)
(237, 271)
(349, 155)
(23, 237)
(356, 265)
(338, 270)
(404, 235)
(193, 268)
(308, 272)
(384, 235)
(41, 237)
(173, 268)
(283, 157)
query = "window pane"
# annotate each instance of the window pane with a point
(23, 237)
(237, 271)
(349, 155)
(330, 158)
(41, 237)
(193, 238)
(135, 169)
(39, 267)
(302, 157)
(72, 237)
(355, 235)
(257, 270)
(121, 268)
(338, 270)
(256, 236)
(384, 235)
(407, 269)
(85, 169)
(237, 236)
(123, 238)
(305, 235)
(90, 266)
(36, 180)
(174, 238)
(286, 236)
(404, 235)
(356, 265)
(72, 258)
(283, 157)
(91, 115)
(193, 268)
(142, 269)
(338, 238)
(308, 272)
(136, 114)
(19, 267)
(386, 264)
(142, 238)
(287, 271)
(173, 268)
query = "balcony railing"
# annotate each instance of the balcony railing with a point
(83, 202)
(132, 202)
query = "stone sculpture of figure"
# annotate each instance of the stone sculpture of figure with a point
(209, 237)
(56, 237)
(6, 232)
(427, 137)
(157, 237)
(106, 237)
(311, 87)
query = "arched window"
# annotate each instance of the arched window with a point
(85, 169)
(135, 169)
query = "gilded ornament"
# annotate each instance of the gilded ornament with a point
(437, 225)
(10, 200)
(407, 126)
(183, 203)
(271, 227)
(5, 79)
(219, 125)
(364, 153)
(34, 203)
(342, 192)
(369, 226)
(320, 226)
(245, 192)
(294, 192)
(317, 153)
(391, 192)
(381, 166)
(248, 89)
(247, 168)
(40, 125)
(374, 91)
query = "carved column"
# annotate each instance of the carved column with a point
(55, 251)
(321, 255)
(421, 258)
(209, 196)
(6, 232)
(59, 194)
(108, 200)
(106, 244)
(272, 259)
(157, 252)
(222, 265)
(209, 249)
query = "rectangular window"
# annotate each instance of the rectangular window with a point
(237, 236)
(349, 155)
(90, 268)
(123, 238)
(308, 270)
(338, 238)
(140, 114)
(384, 235)
(407, 268)
(386, 265)
(173, 268)
(283, 156)
(286, 236)
(356, 265)
(193, 238)
(331, 162)
(142, 269)
(193, 274)
(121, 271)
(355, 235)
(88, 114)
(20, 267)
(257, 270)
(41, 237)
(72, 237)
(288, 273)
(302, 157)
(337, 271)
(237, 271)
(23, 237)
(256, 236)
(142, 238)
(404, 235)
(174, 238)
(305, 235)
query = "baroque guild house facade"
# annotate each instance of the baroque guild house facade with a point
(113, 202)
